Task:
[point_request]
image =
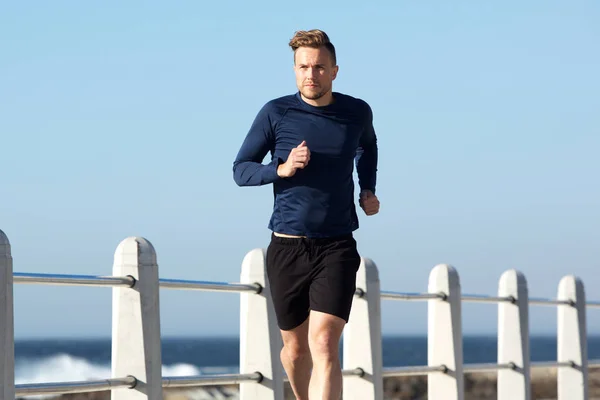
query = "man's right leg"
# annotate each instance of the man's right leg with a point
(289, 279)
(296, 359)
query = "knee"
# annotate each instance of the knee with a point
(296, 351)
(324, 345)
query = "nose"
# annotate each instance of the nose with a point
(312, 72)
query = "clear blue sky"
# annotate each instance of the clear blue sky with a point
(123, 118)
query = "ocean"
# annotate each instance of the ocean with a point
(59, 360)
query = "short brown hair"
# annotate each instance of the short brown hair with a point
(314, 38)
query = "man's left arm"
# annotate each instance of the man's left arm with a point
(367, 155)
(366, 165)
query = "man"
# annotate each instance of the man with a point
(314, 136)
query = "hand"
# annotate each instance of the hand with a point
(369, 202)
(298, 159)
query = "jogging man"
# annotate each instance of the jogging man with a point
(315, 137)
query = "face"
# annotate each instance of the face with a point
(315, 72)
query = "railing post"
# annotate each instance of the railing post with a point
(7, 333)
(136, 341)
(260, 339)
(513, 338)
(362, 338)
(572, 382)
(444, 337)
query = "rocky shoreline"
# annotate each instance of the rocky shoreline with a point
(478, 386)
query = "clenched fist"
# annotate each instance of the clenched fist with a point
(298, 159)
(369, 202)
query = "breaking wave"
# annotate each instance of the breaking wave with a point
(67, 368)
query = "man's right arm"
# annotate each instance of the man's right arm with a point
(248, 169)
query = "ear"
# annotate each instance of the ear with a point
(335, 72)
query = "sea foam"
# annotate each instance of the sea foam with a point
(67, 368)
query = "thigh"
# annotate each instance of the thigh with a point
(325, 332)
(332, 290)
(288, 277)
(295, 340)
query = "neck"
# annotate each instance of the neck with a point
(324, 100)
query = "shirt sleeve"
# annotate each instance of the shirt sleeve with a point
(248, 169)
(367, 154)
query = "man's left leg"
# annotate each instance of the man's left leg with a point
(331, 295)
(325, 331)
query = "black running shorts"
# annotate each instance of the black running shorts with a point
(311, 274)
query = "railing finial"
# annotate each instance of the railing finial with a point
(134, 248)
(444, 337)
(572, 383)
(7, 334)
(136, 348)
(513, 337)
(4, 239)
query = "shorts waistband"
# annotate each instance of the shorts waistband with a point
(320, 240)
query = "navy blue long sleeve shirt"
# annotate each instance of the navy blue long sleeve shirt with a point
(318, 201)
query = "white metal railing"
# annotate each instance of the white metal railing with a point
(136, 348)
(55, 388)
(73, 280)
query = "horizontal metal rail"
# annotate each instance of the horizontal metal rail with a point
(550, 302)
(471, 298)
(73, 280)
(34, 389)
(471, 368)
(129, 281)
(55, 388)
(475, 298)
(487, 367)
(209, 286)
(425, 369)
(551, 364)
(182, 284)
(411, 296)
(412, 371)
(207, 380)
(353, 372)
